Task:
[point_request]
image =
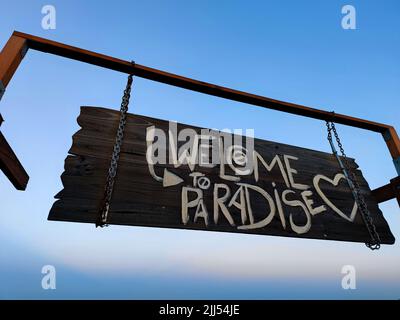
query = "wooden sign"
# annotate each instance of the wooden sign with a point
(179, 176)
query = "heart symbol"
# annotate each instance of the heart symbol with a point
(334, 182)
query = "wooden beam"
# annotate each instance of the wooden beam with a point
(388, 192)
(112, 63)
(11, 166)
(19, 43)
(383, 193)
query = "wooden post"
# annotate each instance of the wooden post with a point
(393, 143)
(10, 58)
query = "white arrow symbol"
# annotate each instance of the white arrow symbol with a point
(170, 179)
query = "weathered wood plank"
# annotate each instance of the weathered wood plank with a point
(141, 200)
(11, 166)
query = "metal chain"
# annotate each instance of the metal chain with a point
(112, 171)
(375, 242)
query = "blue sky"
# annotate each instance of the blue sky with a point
(289, 50)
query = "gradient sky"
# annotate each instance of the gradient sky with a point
(289, 50)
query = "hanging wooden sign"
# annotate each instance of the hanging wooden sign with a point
(179, 176)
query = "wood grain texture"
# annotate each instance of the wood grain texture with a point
(11, 166)
(140, 200)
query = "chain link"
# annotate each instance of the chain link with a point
(375, 242)
(112, 171)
